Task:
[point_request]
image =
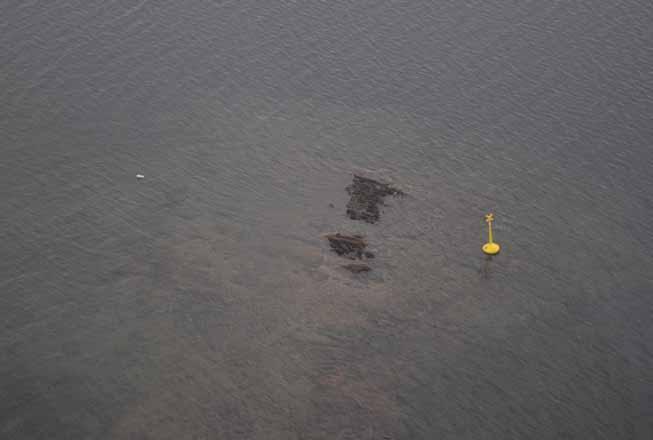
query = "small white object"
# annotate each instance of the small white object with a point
(140, 176)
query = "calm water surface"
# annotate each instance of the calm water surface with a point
(201, 302)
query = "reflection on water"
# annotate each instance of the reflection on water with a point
(485, 266)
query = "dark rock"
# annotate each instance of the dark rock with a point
(369, 255)
(357, 268)
(366, 196)
(349, 246)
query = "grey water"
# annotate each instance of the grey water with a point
(203, 302)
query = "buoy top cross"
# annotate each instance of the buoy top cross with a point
(489, 218)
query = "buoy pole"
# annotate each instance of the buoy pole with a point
(490, 248)
(489, 230)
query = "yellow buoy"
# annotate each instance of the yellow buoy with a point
(490, 248)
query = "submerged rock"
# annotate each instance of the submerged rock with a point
(366, 196)
(357, 267)
(349, 246)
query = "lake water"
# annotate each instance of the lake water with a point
(202, 301)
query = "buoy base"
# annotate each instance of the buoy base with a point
(491, 248)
